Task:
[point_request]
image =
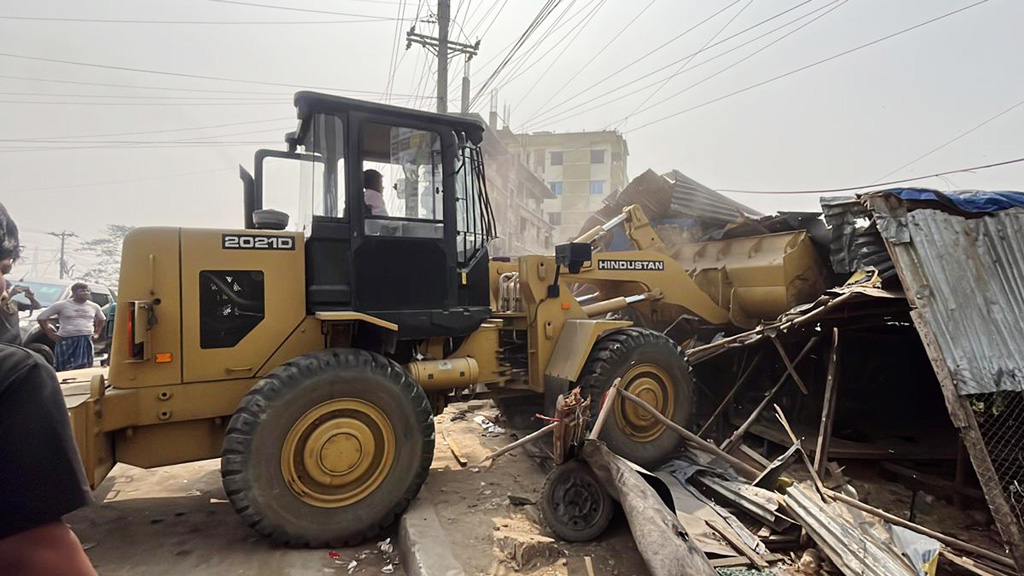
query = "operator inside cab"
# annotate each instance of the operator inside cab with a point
(373, 193)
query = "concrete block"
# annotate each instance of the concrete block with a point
(525, 550)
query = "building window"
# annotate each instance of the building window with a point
(555, 218)
(556, 187)
(556, 158)
(597, 156)
(597, 187)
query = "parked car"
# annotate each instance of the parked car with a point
(48, 292)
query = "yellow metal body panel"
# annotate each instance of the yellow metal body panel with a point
(574, 345)
(343, 315)
(545, 316)
(150, 270)
(758, 277)
(174, 443)
(483, 346)
(658, 272)
(307, 337)
(124, 408)
(285, 304)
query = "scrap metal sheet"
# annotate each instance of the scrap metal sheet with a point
(966, 278)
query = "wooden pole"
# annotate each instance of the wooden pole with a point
(730, 442)
(728, 397)
(947, 540)
(742, 467)
(524, 440)
(606, 409)
(789, 365)
(828, 408)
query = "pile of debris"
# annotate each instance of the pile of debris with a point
(708, 513)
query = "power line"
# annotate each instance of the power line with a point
(876, 185)
(65, 103)
(831, 7)
(686, 64)
(134, 97)
(811, 65)
(294, 9)
(519, 67)
(191, 22)
(147, 132)
(541, 16)
(136, 87)
(115, 182)
(601, 51)
(546, 114)
(962, 135)
(579, 28)
(181, 74)
(393, 60)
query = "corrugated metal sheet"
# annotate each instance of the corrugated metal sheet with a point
(856, 243)
(691, 198)
(966, 277)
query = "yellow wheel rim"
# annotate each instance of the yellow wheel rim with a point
(652, 385)
(338, 453)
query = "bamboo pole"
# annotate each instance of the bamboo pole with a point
(742, 467)
(524, 440)
(606, 409)
(947, 540)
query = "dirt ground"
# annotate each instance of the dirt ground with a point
(176, 520)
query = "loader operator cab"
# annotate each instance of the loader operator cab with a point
(424, 265)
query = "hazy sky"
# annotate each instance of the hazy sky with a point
(849, 121)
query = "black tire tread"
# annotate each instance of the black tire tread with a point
(609, 350)
(275, 386)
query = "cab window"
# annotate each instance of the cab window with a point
(405, 164)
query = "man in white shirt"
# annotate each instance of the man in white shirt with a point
(373, 193)
(81, 321)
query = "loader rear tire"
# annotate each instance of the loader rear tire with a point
(328, 449)
(652, 367)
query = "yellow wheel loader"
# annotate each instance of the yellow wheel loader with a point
(310, 350)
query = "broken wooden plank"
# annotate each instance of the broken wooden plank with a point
(789, 365)
(456, 452)
(742, 561)
(735, 438)
(932, 481)
(728, 397)
(737, 544)
(754, 455)
(580, 566)
(828, 407)
(947, 540)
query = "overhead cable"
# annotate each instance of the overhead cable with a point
(879, 184)
(811, 65)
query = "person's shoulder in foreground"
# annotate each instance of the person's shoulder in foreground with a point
(41, 476)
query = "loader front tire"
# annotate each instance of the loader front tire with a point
(328, 449)
(652, 367)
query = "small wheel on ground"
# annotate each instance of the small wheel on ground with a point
(328, 449)
(573, 504)
(43, 350)
(653, 368)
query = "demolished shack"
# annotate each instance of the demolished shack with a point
(887, 327)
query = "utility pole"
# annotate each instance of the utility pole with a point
(442, 47)
(63, 235)
(443, 18)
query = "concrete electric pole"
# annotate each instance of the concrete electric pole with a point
(442, 47)
(63, 235)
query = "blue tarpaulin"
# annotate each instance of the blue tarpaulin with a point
(972, 201)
